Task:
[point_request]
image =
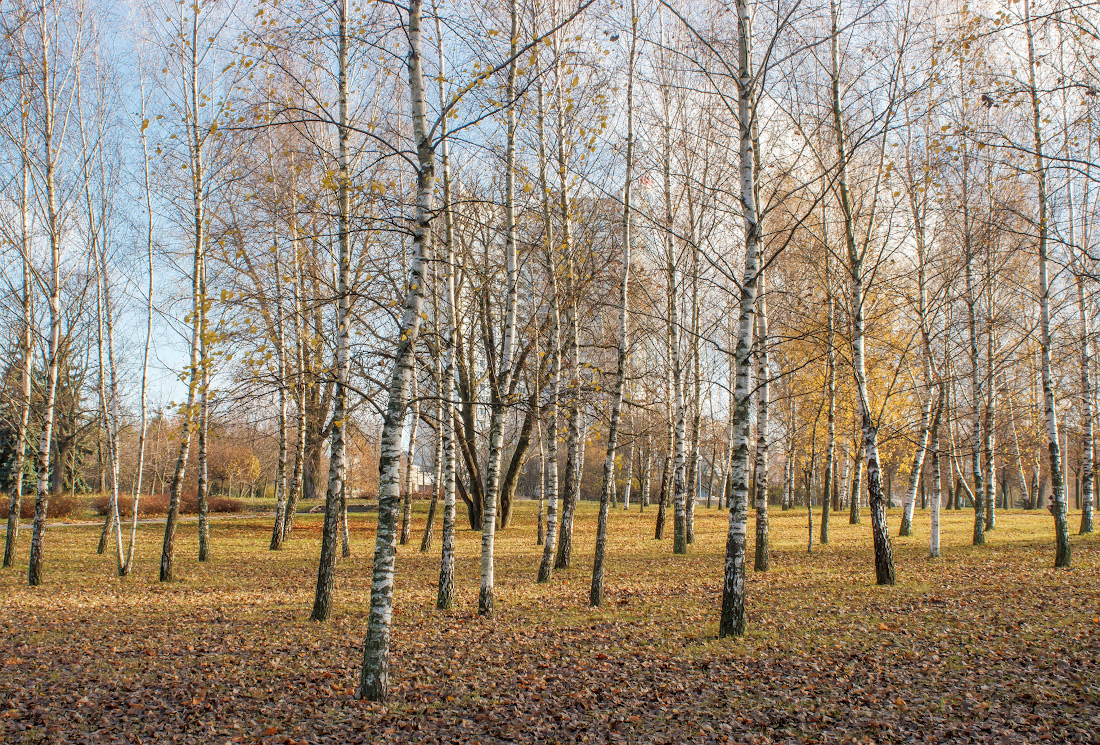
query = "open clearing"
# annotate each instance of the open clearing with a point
(982, 645)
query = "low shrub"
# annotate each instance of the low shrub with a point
(58, 506)
(225, 505)
(156, 505)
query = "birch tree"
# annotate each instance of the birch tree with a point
(595, 596)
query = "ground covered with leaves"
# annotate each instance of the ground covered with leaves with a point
(982, 645)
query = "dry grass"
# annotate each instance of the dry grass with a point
(982, 644)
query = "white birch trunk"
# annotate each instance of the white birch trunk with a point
(732, 622)
(917, 215)
(53, 226)
(574, 445)
(937, 495)
(595, 595)
(629, 480)
(763, 395)
(335, 499)
(374, 680)
(410, 454)
(884, 560)
(830, 393)
(446, 589)
(26, 337)
(129, 563)
(198, 224)
(280, 361)
(1058, 505)
(501, 393)
(550, 486)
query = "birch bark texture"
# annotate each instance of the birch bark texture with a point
(374, 676)
(1058, 502)
(732, 621)
(335, 499)
(884, 558)
(26, 338)
(197, 174)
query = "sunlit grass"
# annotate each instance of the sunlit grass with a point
(240, 621)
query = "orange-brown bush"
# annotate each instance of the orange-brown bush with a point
(155, 505)
(58, 506)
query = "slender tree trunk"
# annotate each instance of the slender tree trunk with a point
(628, 484)
(790, 467)
(1018, 454)
(105, 338)
(300, 394)
(501, 386)
(1088, 451)
(1057, 486)
(854, 517)
(732, 621)
(198, 307)
(725, 478)
(694, 457)
(788, 475)
(830, 392)
(540, 489)
(763, 392)
(129, 563)
(550, 486)
(280, 465)
(41, 504)
(989, 424)
(810, 485)
(334, 494)
(345, 533)
(108, 468)
(937, 495)
(574, 458)
(448, 414)
(595, 595)
(26, 338)
(845, 482)
(374, 680)
(662, 501)
(975, 378)
(410, 454)
(440, 422)
(711, 472)
(203, 486)
(884, 559)
(926, 367)
(677, 485)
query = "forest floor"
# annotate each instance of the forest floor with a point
(986, 644)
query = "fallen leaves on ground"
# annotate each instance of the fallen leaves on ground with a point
(982, 645)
